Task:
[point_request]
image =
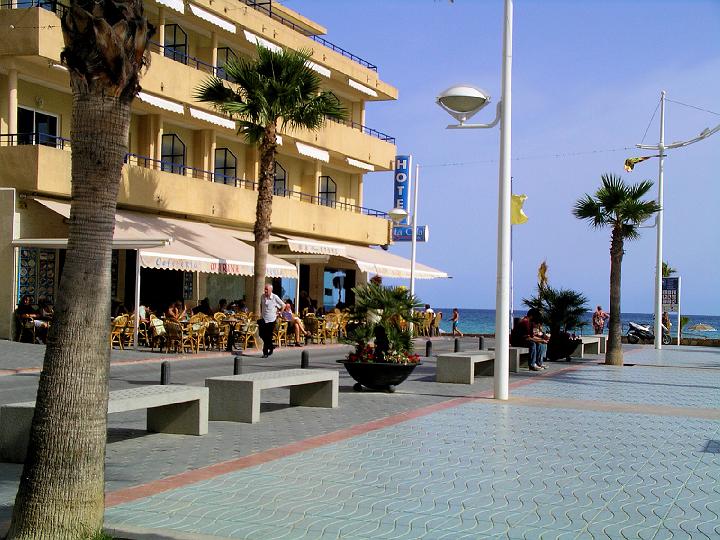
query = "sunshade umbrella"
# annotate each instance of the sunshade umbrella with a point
(702, 327)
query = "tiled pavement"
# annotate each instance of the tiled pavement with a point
(552, 462)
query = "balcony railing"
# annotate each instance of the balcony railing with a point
(173, 54)
(324, 201)
(44, 139)
(366, 130)
(266, 7)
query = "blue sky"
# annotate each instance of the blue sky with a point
(587, 76)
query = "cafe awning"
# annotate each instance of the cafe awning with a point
(371, 260)
(176, 244)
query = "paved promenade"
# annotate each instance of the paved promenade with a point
(580, 450)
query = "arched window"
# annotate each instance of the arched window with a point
(225, 166)
(280, 184)
(328, 191)
(173, 154)
(176, 43)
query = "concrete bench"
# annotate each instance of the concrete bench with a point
(587, 345)
(603, 342)
(462, 367)
(237, 397)
(170, 409)
(515, 357)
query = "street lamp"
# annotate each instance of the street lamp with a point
(661, 147)
(462, 102)
(397, 214)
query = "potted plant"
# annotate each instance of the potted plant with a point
(379, 329)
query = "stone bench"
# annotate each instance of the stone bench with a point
(587, 345)
(603, 342)
(237, 397)
(170, 409)
(515, 357)
(462, 367)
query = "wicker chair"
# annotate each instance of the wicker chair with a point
(315, 329)
(174, 336)
(247, 333)
(117, 331)
(435, 327)
(157, 333)
(280, 333)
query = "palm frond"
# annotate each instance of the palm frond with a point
(591, 210)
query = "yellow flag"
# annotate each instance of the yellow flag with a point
(631, 162)
(517, 216)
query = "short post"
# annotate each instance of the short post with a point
(457, 344)
(305, 359)
(481, 343)
(428, 348)
(237, 367)
(165, 373)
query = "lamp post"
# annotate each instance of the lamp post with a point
(661, 147)
(462, 102)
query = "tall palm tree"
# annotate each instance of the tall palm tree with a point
(275, 90)
(618, 206)
(61, 493)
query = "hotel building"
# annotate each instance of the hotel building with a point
(187, 200)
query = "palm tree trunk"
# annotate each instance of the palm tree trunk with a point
(614, 354)
(61, 493)
(263, 212)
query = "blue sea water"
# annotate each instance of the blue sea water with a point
(482, 321)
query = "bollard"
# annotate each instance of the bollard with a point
(457, 344)
(165, 373)
(237, 368)
(305, 359)
(481, 343)
(428, 349)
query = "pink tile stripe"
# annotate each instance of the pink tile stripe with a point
(205, 473)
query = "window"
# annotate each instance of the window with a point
(225, 166)
(35, 127)
(176, 45)
(280, 184)
(328, 191)
(173, 154)
(224, 55)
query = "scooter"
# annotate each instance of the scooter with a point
(638, 332)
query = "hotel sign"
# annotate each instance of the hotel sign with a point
(401, 187)
(402, 233)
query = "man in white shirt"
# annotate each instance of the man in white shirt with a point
(269, 305)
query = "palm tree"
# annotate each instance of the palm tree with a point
(276, 90)
(667, 270)
(618, 206)
(61, 493)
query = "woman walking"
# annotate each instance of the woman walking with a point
(454, 319)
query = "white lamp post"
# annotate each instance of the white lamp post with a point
(462, 102)
(661, 147)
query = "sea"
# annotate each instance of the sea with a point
(482, 321)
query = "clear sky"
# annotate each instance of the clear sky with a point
(587, 77)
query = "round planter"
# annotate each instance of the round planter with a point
(378, 376)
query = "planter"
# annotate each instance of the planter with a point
(378, 376)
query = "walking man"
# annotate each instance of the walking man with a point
(269, 305)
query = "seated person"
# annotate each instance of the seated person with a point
(176, 311)
(223, 307)
(294, 322)
(522, 335)
(203, 307)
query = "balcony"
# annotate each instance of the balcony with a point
(43, 166)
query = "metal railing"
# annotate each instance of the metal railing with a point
(34, 139)
(366, 130)
(50, 5)
(266, 8)
(324, 201)
(172, 54)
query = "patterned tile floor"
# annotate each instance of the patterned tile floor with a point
(478, 470)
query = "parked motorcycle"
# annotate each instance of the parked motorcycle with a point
(638, 332)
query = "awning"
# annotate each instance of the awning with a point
(389, 265)
(375, 261)
(189, 245)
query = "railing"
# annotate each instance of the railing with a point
(324, 201)
(266, 8)
(366, 130)
(50, 5)
(184, 170)
(34, 139)
(170, 52)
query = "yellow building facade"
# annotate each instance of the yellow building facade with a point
(188, 175)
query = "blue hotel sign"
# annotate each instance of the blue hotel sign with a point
(401, 186)
(403, 233)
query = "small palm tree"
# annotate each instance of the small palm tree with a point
(620, 207)
(61, 493)
(277, 89)
(667, 270)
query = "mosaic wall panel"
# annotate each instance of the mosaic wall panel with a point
(37, 274)
(188, 281)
